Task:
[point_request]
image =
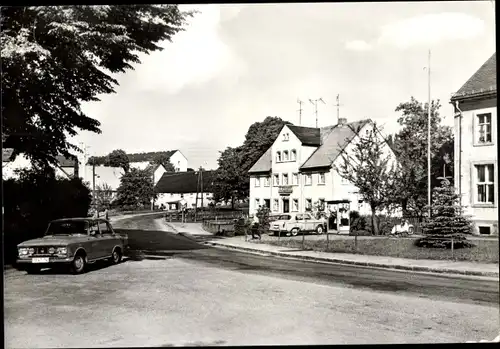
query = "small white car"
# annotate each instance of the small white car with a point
(293, 223)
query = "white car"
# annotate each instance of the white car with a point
(293, 223)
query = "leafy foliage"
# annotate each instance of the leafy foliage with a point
(263, 215)
(36, 198)
(410, 145)
(118, 158)
(369, 169)
(447, 219)
(232, 179)
(56, 57)
(136, 189)
(103, 197)
(162, 158)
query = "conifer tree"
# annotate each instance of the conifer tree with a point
(447, 216)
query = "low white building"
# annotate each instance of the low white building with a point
(173, 187)
(297, 171)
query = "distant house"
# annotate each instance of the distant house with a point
(297, 171)
(105, 176)
(476, 147)
(142, 160)
(67, 167)
(172, 187)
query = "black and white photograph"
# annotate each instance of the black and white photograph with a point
(247, 174)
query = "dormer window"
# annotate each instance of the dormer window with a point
(278, 156)
(285, 155)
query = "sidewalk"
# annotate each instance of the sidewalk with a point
(195, 229)
(421, 265)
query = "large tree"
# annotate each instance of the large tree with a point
(410, 144)
(56, 57)
(136, 189)
(370, 168)
(119, 158)
(232, 180)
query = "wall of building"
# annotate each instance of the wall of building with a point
(190, 198)
(9, 168)
(179, 161)
(472, 153)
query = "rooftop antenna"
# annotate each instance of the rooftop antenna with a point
(315, 103)
(300, 111)
(338, 109)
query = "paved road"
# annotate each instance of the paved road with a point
(213, 297)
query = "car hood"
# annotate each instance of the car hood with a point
(54, 240)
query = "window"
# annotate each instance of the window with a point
(278, 156)
(285, 178)
(306, 216)
(295, 179)
(293, 156)
(308, 204)
(295, 205)
(267, 203)
(286, 137)
(104, 228)
(267, 181)
(257, 181)
(343, 181)
(285, 155)
(484, 230)
(257, 203)
(276, 204)
(484, 128)
(485, 184)
(321, 178)
(276, 180)
(308, 179)
(94, 229)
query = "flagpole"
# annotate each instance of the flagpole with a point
(429, 135)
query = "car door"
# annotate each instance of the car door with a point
(308, 222)
(96, 248)
(108, 240)
(298, 222)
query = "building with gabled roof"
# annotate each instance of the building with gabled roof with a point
(297, 171)
(476, 147)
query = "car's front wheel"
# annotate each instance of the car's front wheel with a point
(79, 263)
(295, 231)
(116, 256)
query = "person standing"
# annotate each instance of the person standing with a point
(255, 227)
(106, 214)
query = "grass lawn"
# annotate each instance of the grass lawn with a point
(485, 251)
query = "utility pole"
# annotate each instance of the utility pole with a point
(196, 198)
(429, 135)
(300, 111)
(201, 184)
(93, 184)
(315, 103)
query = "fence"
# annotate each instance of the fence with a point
(417, 224)
(202, 216)
(217, 227)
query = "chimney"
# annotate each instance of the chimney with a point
(342, 121)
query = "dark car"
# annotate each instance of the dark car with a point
(73, 242)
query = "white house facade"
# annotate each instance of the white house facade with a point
(476, 148)
(298, 170)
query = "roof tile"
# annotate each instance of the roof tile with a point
(483, 81)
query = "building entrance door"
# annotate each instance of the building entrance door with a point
(286, 205)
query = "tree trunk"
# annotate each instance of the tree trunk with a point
(374, 222)
(232, 203)
(404, 207)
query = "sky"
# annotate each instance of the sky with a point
(236, 64)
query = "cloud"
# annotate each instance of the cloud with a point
(358, 45)
(431, 29)
(193, 58)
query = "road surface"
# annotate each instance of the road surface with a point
(206, 296)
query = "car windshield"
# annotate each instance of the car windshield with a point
(67, 228)
(284, 217)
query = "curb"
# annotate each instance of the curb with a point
(365, 264)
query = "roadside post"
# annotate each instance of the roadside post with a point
(452, 248)
(304, 235)
(356, 242)
(327, 229)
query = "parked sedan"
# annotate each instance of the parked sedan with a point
(293, 223)
(73, 242)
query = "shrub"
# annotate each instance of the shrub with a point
(263, 215)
